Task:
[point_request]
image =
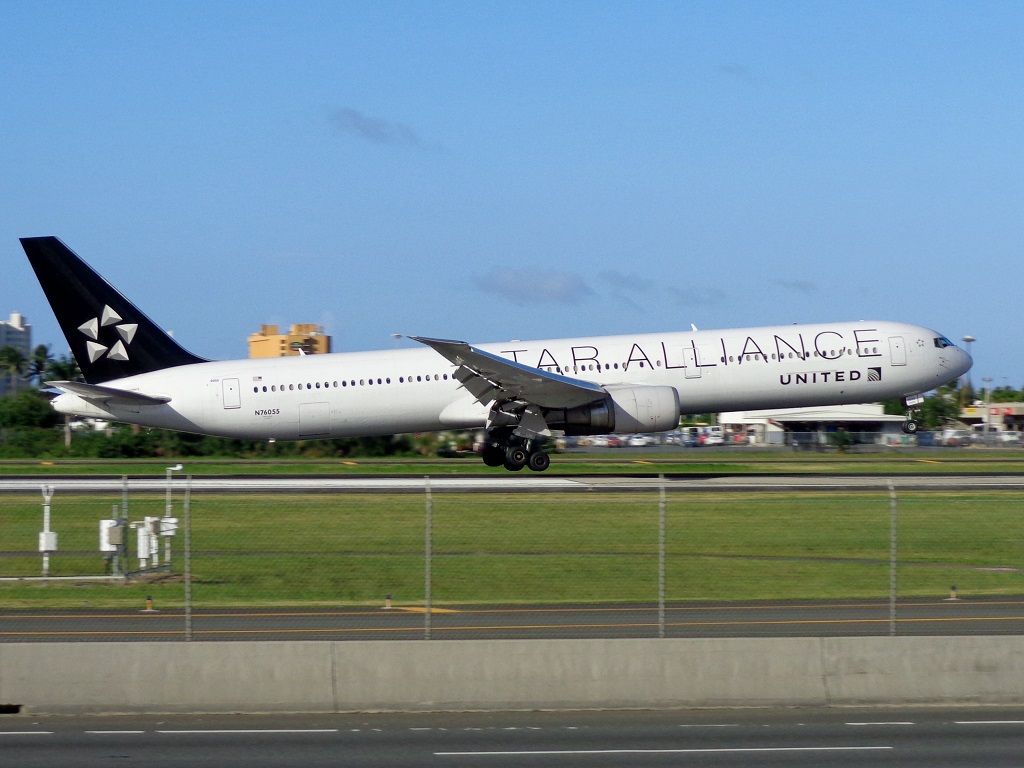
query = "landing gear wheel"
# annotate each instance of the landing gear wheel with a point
(515, 458)
(910, 427)
(493, 455)
(539, 461)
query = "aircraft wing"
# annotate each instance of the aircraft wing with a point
(491, 377)
(108, 394)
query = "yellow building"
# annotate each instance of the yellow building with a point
(307, 337)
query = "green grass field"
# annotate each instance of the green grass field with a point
(342, 549)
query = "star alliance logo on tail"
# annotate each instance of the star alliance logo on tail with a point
(119, 349)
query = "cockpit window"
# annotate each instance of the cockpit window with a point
(942, 342)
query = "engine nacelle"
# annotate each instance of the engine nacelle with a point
(624, 410)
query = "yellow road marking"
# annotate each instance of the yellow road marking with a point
(372, 610)
(510, 628)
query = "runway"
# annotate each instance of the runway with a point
(932, 737)
(785, 619)
(505, 482)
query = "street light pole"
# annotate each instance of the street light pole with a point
(987, 381)
(968, 340)
(167, 513)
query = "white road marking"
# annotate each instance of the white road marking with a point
(254, 730)
(709, 725)
(988, 722)
(723, 750)
(893, 722)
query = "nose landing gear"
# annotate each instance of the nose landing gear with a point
(911, 425)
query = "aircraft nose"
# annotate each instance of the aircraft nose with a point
(963, 362)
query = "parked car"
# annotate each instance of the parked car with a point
(711, 436)
(954, 438)
(641, 441)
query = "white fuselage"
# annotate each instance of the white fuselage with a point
(413, 390)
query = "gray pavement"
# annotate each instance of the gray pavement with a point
(933, 737)
(784, 619)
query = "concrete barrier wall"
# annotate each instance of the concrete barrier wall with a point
(516, 674)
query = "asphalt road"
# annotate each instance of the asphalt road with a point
(936, 738)
(787, 619)
(506, 482)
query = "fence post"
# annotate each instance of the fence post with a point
(47, 539)
(187, 514)
(661, 555)
(892, 559)
(428, 556)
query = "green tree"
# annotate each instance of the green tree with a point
(26, 410)
(39, 364)
(64, 368)
(940, 407)
(12, 362)
(1006, 395)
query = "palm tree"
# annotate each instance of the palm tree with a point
(64, 368)
(13, 362)
(39, 364)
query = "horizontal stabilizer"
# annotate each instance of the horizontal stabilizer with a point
(107, 394)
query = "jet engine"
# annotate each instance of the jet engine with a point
(624, 410)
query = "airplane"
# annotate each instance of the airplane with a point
(519, 392)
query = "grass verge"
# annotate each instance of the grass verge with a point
(335, 550)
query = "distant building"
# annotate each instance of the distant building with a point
(16, 333)
(866, 423)
(305, 337)
(999, 417)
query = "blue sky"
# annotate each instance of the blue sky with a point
(521, 170)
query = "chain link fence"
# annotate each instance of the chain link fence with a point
(660, 562)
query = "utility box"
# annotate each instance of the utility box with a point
(48, 541)
(110, 536)
(168, 526)
(143, 545)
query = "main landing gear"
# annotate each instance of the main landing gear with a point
(515, 453)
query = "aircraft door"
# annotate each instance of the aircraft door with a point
(897, 352)
(231, 395)
(314, 419)
(692, 370)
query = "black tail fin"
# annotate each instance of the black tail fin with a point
(109, 337)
